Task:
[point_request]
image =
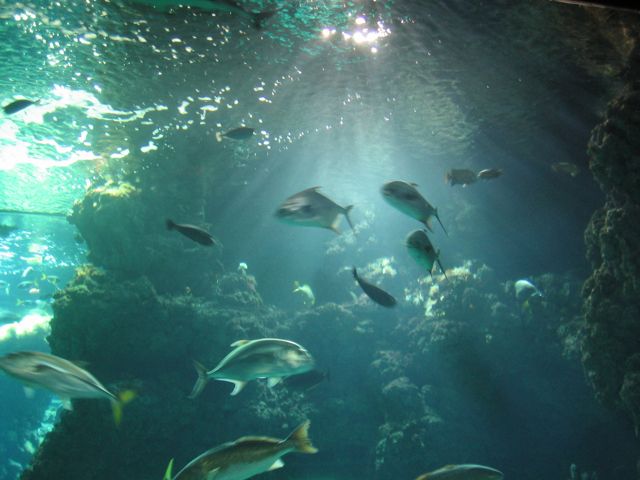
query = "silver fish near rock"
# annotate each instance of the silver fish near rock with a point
(245, 457)
(421, 250)
(375, 293)
(310, 208)
(525, 289)
(406, 198)
(466, 471)
(62, 377)
(271, 358)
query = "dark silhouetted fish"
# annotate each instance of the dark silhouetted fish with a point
(374, 293)
(405, 197)
(240, 133)
(460, 176)
(18, 105)
(306, 381)
(310, 208)
(196, 234)
(421, 250)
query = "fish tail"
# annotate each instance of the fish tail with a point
(355, 273)
(167, 474)
(219, 136)
(346, 214)
(202, 380)
(123, 398)
(440, 222)
(300, 439)
(442, 268)
(170, 224)
(260, 17)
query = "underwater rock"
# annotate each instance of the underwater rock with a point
(612, 292)
(125, 232)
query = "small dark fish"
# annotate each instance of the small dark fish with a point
(566, 167)
(5, 230)
(240, 133)
(374, 293)
(18, 105)
(489, 173)
(306, 381)
(196, 234)
(460, 176)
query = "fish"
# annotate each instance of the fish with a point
(422, 251)
(240, 133)
(271, 358)
(489, 173)
(245, 457)
(310, 208)
(306, 381)
(460, 176)
(27, 284)
(196, 234)
(524, 288)
(305, 290)
(465, 471)
(5, 286)
(8, 316)
(376, 294)
(622, 5)
(17, 105)
(566, 167)
(405, 197)
(62, 377)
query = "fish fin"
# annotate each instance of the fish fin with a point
(167, 473)
(219, 136)
(238, 386)
(260, 17)
(300, 439)
(239, 343)
(346, 211)
(334, 225)
(440, 222)
(124, 397)
(202, 380)
(273, 381)
(442, 268)
(213, 473)
(277, 464)
(427, 223)
(355, 273)
(413, 184)
(66, 403)
(311, 189)
(29, 392)
(170, 224)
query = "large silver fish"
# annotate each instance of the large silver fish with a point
(406, 198)
(60, 376)
(421, 250)
(310, 208)
(466, 471)
(244, 458)
(271, 358)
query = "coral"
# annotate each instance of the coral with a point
(612, 292)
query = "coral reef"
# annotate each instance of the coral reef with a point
(612, 292)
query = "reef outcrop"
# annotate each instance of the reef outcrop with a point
(611, 350)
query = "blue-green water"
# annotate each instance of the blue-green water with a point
(347, 96)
